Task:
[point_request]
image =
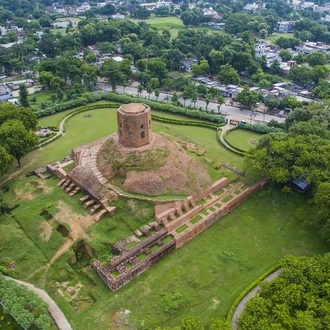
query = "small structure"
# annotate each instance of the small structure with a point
(299, 184)
(134, 125)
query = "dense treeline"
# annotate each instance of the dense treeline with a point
(297, 299)
(302, 152)
(25, 306)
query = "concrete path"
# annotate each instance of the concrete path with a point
(240, 307)
(224, 129)
(58, 316)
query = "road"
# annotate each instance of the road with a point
(231, 111)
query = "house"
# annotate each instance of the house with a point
(309, 47)
(251, 7)
(187, 63)
(5, 93)
(285, 26)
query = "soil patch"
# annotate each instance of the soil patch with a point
(46, 230)
(33, 189)
(162, 167)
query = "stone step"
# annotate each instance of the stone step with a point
(89, 203)
(66, 183)
(75, 191)
(61, 182)
(94, 208)
(100, 215)
(70, 187)
(82, 200)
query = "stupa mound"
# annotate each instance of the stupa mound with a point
(160, 167)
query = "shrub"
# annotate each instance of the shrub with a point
(260, 128)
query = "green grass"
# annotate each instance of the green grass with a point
(41, 97)
(213, 267)
(242, 139)
(173, 24)
(209, 271)
(276, 36)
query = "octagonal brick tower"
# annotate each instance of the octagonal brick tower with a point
(134, 124)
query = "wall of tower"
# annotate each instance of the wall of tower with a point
(134, 125)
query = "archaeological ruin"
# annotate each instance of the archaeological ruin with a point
(106, 170)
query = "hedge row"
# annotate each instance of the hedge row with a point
(163, 106)
(260, 128)
(247, 290)
(236, 148)
(240, 153)
(184, 122)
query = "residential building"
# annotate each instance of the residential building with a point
(285, 26)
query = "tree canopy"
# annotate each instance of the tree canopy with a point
(298, 299)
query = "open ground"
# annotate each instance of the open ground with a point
(209, 272)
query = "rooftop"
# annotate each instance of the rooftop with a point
(133, 108)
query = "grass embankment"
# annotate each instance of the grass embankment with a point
(242, 139)
(207, 273)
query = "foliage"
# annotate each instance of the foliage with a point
(23, 96)
(27, 308)
(260, 128)
(5, 161)
(17, 139)
(228, 75)
(247, 97)
(297, 299)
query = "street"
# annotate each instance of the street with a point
(230, 111)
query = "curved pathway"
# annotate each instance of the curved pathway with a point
(59, 132)
(240, 307)
(58, 316)
(224, 129)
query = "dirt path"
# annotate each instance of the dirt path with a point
(240, 307)
(55, 312)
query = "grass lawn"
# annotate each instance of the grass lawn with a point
(243, 139)
(209, 271)
(276, 35)
(41, 97)
(174, 24)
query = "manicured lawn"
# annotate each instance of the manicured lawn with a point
(209, 271)
(275, 36)
(243, 139)
(41, 97)
(174, 24)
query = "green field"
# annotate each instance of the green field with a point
(208, 272)
(174, 24)
(276, 35)
(242, 139)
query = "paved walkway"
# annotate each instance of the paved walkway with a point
(58, 316)
(224, 129)
(240, 307)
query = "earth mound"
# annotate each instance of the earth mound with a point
(161, 167)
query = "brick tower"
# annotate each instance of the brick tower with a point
(134, 124)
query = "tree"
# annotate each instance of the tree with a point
(300, 75)
(275, 66)
(157, 68)
(201, 68)
(17, 140)
(322, 90)
(319, 72)
(23, 96)
(285, 55)
(317, 58)
(247, 97)
(111, 69)
(5, 161)
(24, 115)
(228, 75)
(297, 299)
(272, 103)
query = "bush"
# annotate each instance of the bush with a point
(260, 128)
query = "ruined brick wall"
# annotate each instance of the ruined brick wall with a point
(208, 220)
(134, 124)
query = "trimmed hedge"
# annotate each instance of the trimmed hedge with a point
(232, 149)
(260, 128)
(163, 106)
(184, 122)
(247, 290)
(236, 148)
